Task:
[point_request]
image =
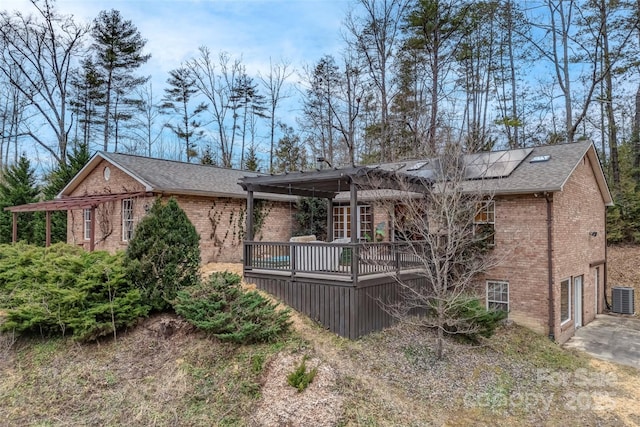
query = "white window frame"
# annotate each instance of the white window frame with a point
(569, 282)
(487, 209)
(340, 211)
(127, 219)
(86, 221)
(500, 302)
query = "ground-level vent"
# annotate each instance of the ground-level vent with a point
(622, 300)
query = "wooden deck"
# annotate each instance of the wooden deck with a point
(345, 287)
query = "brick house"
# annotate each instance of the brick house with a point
(548, 217)
(548, 214)
(124, 187)
(550, 228)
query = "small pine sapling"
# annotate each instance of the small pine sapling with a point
(301, 378)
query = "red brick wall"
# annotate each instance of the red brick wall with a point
(577, 211)
(220, 222)
(521, 248)
(521, 258)
(108, 232)
(382, 213)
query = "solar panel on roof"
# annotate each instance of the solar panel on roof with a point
(497, 164)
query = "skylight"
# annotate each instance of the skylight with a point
(540, 159)
(417, 166)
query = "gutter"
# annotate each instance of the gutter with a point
(552, 310)
(240, 196)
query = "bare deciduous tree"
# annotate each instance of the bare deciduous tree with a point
(375, 37)
(37, 54)
(145, 124)
(216, 81)
(273, 84)
(448, 230)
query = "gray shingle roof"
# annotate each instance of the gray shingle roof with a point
(550, 175)
(174, 177)
(179, 177)
(525, 178)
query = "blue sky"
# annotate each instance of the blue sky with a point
(298, 30)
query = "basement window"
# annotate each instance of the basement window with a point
(498, 295)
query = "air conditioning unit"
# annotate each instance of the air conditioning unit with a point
(622, 300)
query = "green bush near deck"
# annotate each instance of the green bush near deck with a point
(472, 320)
(221, 308)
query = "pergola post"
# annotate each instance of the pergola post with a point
(354, 213)
(14, 227)
(249, 232)
(47, 240)
(329, 220)
(92, 232)
(355, 254)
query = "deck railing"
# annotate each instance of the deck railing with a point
(347, 260)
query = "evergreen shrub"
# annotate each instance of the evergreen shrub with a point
(221, 308)
(472, 320)
(64, 290)
(164, 254)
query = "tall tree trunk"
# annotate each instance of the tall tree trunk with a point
(515, 143)
(433, 119)
(636, 136)
(107, 107)
(608, 87)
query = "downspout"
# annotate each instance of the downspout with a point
(552, 311)
(606, 262)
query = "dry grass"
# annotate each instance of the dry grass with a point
(623, 269)
(163, 373)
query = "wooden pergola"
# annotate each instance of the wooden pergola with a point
(66, 204)
(340, 285)
(327, 184)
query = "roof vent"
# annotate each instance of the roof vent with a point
(540, 159)
(622, 300)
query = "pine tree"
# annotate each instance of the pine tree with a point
(18, 187)
(290, 154)
(88, 96)
(319, 104)
(118, 49)
(250, 102)
(251, 160)
(434, 29)
(177, 99)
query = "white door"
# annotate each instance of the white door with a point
(577, 286)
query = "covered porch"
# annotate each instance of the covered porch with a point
(345, 284)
